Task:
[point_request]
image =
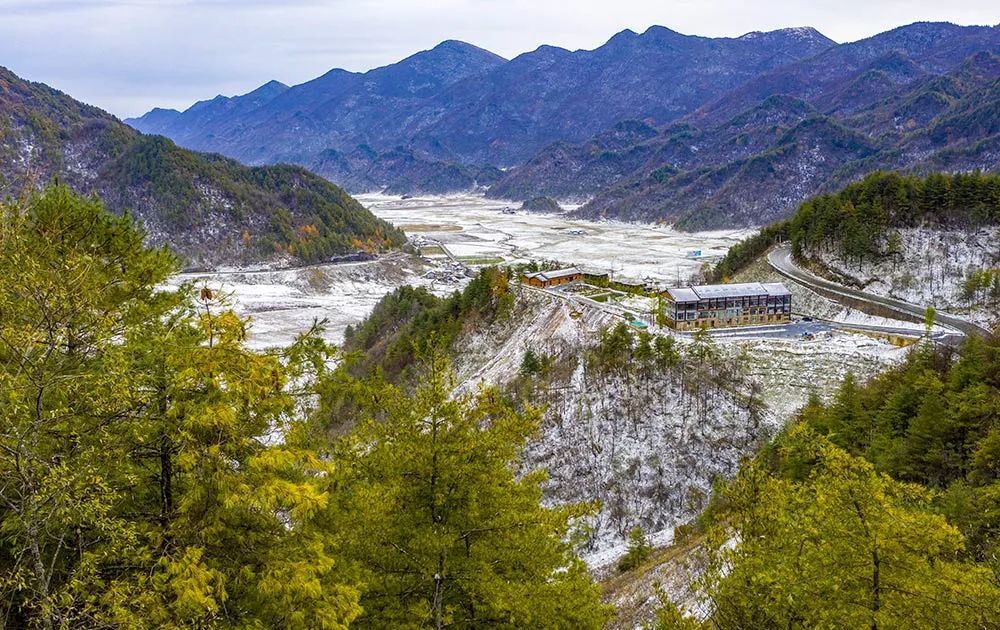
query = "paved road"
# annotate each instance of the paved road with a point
(781, 259)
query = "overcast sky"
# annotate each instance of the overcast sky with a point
(127, 56)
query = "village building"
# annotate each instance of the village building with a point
(726, 305)
(547, 279)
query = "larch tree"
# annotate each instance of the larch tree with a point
(75, 280)
(831, 543)
(141, 483)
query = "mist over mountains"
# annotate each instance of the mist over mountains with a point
(650, 126)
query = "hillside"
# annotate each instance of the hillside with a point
(644, 424)
(456, 108)
(211, 210)
(925, 240)
(921, 97)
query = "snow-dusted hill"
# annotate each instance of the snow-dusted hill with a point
(930, 267)
(648, 444)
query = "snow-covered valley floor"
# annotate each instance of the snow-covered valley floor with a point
(473, 226)
(283, 303)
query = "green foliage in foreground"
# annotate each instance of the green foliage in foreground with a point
(135, 487)
(443, 530)
(830, 542)
(933, 422)
(141, 484)
(880, 509)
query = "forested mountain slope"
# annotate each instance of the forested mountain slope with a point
(209, 209)
(455, 109)
(921, 97)
(156, 472)
(879, 508)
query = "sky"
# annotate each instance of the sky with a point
(127, 56)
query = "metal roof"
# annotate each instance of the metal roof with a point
(709, 291)
(776, 289)
(680, 294)
(557, 273)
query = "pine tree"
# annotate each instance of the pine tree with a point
(638, 550)
(137, 488)
(444, 532)
(75, 280)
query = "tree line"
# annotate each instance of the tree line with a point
(411, 323)
(860, 219)
(860, 222)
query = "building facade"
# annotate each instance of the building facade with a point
(546, 279)
(727, 305)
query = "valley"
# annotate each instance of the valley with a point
(676, 332)
(474, 231)
(649, 453)
(472, 227)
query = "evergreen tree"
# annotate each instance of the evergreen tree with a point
(843, 547)
(136, 485)
(638, 550)
(443, 530)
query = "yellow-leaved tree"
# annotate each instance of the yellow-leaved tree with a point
(828, 542)
(141, 481)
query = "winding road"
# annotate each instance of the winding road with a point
(781, 260)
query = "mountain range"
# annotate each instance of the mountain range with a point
(440, 118)
(920, 98)
(660, 126)
(209, 209)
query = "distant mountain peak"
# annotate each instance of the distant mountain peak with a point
(657, 29)
(625, 35)
(270, 86)
(801, 33)
(460, 46)
(450, 48)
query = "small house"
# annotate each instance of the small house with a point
(557, 277)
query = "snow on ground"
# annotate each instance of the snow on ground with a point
(648, 451)
(284, 303)
(493, 356)
(807, 302)
(790, 370)
(853, 316)
(931, 269)
(471, 225)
